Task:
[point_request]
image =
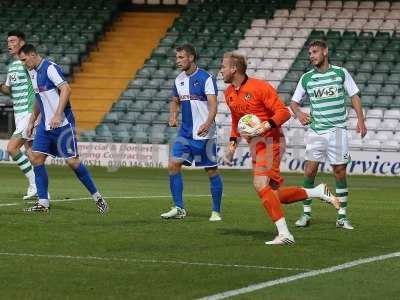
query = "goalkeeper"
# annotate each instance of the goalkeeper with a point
(247, 95)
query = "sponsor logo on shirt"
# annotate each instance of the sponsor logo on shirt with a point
(326, 92)
(247, 97)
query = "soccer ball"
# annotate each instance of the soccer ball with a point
(247, 123)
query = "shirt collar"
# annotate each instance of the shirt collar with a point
(40, 64)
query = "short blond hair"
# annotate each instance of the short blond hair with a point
(237, 60)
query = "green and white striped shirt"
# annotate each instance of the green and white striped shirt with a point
(22, 92)
(326, 92)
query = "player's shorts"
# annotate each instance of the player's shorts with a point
(58, 142)
(21, 125)
(202, 152)
(331, 146)
(266, 158)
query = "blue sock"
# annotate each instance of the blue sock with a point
(42, 181)
(216, 188)
(84, 176)
(176, 186)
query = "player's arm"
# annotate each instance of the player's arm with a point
(56, 76)
(212, 112)
(210, 89)
(295, 104)
(174, 107)
(273, 103)
(174, 111)
(352, 90)
(5, 89)
(233, 139)
(34, 116)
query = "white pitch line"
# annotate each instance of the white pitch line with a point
(90, 198)
(283, 280)
(155, 261)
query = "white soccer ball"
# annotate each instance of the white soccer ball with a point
(247, 123)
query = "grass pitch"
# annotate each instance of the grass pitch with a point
(74, 253)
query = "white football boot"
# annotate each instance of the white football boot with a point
(215, 216)
(174, 213)
(281, 239)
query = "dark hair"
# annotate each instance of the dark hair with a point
(318, 43)
(189, 49)
(27, 49)
(17, 33)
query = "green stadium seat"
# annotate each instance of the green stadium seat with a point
(145, 72)
(287, 87)
(112, 117)
(121, 105)
(372, 56)
(162, 118)
(140, 137)
(362, 78)
(130, 117)
(121, 137)
(146, 95)
(389, 90)
(368, 100)
(355, 56)
(371, 89)
(173, 74)
(163, 95)
(351, 66)
(345, 45)
(349, 35)
(138, 83)
(382, 36)
(146, 117)
(365, 36)
(157, 138)
(156, 106)
(389, 57)
(87, 136)
(383, 101)
(138, 106)
(383, 67)
(367, 67)
(129, 94)
(151, 62)
(140, 127)
(333, 35)
(393, 79)
(377, 78)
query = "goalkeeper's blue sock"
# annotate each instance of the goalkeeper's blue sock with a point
(176, 186)
(216, 188)
(42, 183)
(84, 176)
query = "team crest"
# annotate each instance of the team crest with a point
(247, 97)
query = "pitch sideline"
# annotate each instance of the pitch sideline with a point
(313, 273)
(155, 261)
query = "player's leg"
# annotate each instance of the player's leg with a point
(14, 149)
(42, 182)
(216, 189)
(316, 151)
(273, 207)
(339, 156)
(181, 154)
(310, 171)
(339, 172)
(84, 176)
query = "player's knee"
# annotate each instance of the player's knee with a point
(174, 167)
(213, 171)
(340, 172)
(260, 182)
(37, 159)
(12, 149)
(73, 163)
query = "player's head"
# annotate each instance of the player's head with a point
(233, 64)
(29, 56)
(15, 40)
(186, 57)
(318, 53)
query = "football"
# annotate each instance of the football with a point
(247, 123)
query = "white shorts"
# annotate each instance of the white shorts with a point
(21, 124)
(331, 146)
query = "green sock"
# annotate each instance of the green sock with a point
(308, 183)
(342, 193)
(25, 166)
